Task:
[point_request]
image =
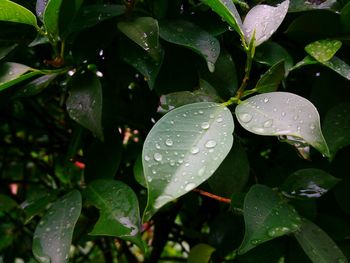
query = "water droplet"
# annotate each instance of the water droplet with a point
(258, 129)
(149, 179)
(195, 150)
(201, 171)
(245, 117)
(147, 158)
(158, 157)
(169, 142)
(210, 144)
(268, 123)
(219, 119)
(157, 146)
(190, 186)
(266, 100)
(172, 162)
(312, 127)
(154, 171)
(205, 125)
(48, 229)
(283, 114)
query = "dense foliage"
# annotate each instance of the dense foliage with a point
(174, 131)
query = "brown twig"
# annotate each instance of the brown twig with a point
(210, 195)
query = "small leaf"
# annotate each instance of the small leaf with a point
(6, 203)
(84, 104)
(91, 15)
(51, 18)
(283, 113)
(271, 79)
(336, 128)
(266, 216)
(189, 35)
(308, 183)
(264, 20)
(338, 66)
(323, 50)
(318, 245)
(142, 62)
(53, 234)
(183, 149)
(12, 12)
(119, 210)
(36, 86)
(227, 10)
(200, 253)
(144, 31)
(302, 5)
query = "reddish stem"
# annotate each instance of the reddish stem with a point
(210, 195)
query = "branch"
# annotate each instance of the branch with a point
(210, 195)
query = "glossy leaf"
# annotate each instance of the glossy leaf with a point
(270, 53)
(232, 174)
(271, 79)
(119, 210)
(308, 60)
(6, 203)
(141, 61)
(302, 5)
(36, 86)
(336, 128)
(40, 8)
(323, 50)
(91, 15)
(138, 172)
(5, 50)
(53, 234)
(12, 12)
(308, 183)
(84, 104)
(266, 216)
(144, 31)
(68, 12)
(283, 113)
(264, 20)
(51, 18)
(318, 245)
(183, 149)
(339, 66)
(189, 35)
(200, 253)
(345, 17)
(227, 10)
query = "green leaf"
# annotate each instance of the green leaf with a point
(53, 235)
(323, 50)
(38, 205)
(338, 66)
(12, 12)
(336, 128)
(318, 245)
(189, 35)
(92, 15)
(270, 53)
(6, 203)
(283, 113)
(103, 158)
(13, 73)
(227, 10)
(84, 104)
(51, 18)
(138, 172)
(144, 31)
(302, 5)
(119, 210)
(183, 149)
(271, 79)
(266, 216)
(232, 174)
(141, 61)
(36, 86)
(308, 183)
(263, 20)
(200, 253)
(68, 12)
(4, 50)
(40, 8)
(308, 60)
(345, 17)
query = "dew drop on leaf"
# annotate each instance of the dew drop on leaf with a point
(210, 144)
(245, 117)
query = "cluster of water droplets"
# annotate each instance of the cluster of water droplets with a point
(181, 151)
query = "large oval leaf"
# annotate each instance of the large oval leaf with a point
(53, 234)
(84, 104)
(283, 113)
(189, 35)
(144, 31)
(51, 18)
(119, 210)
(336, 127)
(227, 10)
(183, 149)
(12, 12)
(266, 216)
(318, 245)
(264, 21)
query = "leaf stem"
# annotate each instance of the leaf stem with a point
(210, 195)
